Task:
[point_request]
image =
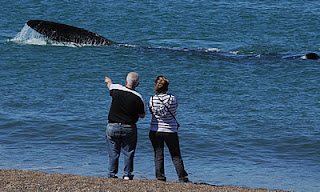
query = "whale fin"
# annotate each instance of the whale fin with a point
(66, 33)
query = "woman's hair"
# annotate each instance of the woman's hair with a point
(161, 84)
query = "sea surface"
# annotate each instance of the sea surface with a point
(249, 109)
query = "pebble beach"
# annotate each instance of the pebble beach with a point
(18, 180)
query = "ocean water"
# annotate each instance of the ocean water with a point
(245, 121)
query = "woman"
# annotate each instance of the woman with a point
(164, 128)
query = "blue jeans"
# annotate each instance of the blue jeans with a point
(119, 138)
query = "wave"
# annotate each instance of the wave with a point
(27, 35)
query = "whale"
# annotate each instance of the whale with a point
(64, 33)
(313, 56)
(67, 34)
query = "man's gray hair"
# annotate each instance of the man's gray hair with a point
(133, 79)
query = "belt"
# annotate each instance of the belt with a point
(111, 122)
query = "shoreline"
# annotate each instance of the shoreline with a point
(20, 180)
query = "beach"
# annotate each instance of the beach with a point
(18, 180)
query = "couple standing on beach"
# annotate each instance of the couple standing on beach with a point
(121, 132)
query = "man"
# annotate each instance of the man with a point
(121, 133)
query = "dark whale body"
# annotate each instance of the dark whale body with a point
(66, 33)
(69, 34)
(311, 56)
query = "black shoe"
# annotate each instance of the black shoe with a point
(184, 179)
(164, 180)
(113, 177)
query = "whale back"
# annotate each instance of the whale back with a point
(67, 33)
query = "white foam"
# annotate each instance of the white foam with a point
(45, 168)
(29, 36)
(234, 52)
(303, 57)
(214, 50)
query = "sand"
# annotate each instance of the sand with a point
(17, 180)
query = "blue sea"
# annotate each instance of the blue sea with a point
(249, 110)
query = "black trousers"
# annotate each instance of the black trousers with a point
(172, 142)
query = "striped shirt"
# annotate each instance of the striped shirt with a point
(162, 120)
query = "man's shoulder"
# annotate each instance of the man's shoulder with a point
(119, 87)
(116, 86)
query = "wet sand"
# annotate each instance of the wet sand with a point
(17, 180)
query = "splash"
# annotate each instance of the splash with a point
(29, 36)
